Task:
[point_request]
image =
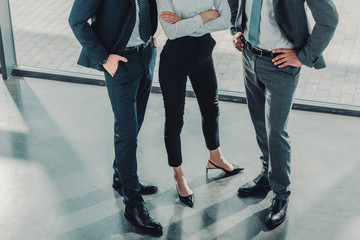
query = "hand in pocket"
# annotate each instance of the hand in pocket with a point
(112, 63)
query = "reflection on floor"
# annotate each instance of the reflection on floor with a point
(56, 153)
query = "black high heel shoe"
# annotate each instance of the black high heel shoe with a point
(236, 169)
(187, 200)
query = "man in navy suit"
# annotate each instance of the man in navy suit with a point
(120, 42)
(275, 39)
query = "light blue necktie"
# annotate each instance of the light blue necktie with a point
(255, 22)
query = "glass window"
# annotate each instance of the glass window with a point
(43, 39)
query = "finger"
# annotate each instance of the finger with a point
(166, 15)
(166, 12)
(277, 58)
(239, 45)
(279, 62)
(167, 19)
(122, 59)
(280, 50)
(239, 48)
(237, 39)
(283, 65)
(154, 42)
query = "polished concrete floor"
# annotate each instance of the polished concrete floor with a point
(56, 153)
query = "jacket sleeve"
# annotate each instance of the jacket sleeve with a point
(234, 7)
(81, 12)
(326, 19)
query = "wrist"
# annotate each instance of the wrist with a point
(203, 17)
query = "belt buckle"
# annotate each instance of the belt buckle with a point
(258, 50)
(137, 49)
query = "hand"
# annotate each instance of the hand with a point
(212, 14)
(154, 41)
(287, 58)
(170, 17)
(238, 43)
(112, 63)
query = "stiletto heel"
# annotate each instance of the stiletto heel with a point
(236, 169)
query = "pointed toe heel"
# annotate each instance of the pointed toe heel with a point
(188, 200)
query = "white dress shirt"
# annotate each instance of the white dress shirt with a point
(135, 39)
(191, 23)
(270, 36)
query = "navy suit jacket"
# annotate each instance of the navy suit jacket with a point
(291, 17)
(112, 22)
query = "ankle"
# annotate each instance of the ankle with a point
(217, 161)
(215, 154)
(180, 179)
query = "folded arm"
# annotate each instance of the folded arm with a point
(181, 28)
(222, 22)
(210, 21)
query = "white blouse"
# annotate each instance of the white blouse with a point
(191, 23)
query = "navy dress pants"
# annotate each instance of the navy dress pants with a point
(129, 91)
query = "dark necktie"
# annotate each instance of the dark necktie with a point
(255, 22)
(145, 21)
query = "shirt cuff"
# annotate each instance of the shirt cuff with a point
(198, 22)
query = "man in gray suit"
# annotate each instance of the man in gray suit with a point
(276, 41)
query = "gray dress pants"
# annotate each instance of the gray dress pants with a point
(270, 92)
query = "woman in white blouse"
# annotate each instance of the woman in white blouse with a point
(188, 53)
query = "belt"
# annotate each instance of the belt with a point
(258, 51)
(136, 49)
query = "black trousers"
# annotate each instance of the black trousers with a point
(181, 58)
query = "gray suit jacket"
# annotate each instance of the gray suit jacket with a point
(292, 20)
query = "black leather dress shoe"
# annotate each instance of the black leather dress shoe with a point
(145, 188)
(277, 213)
(140, 217)
(258, 185)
